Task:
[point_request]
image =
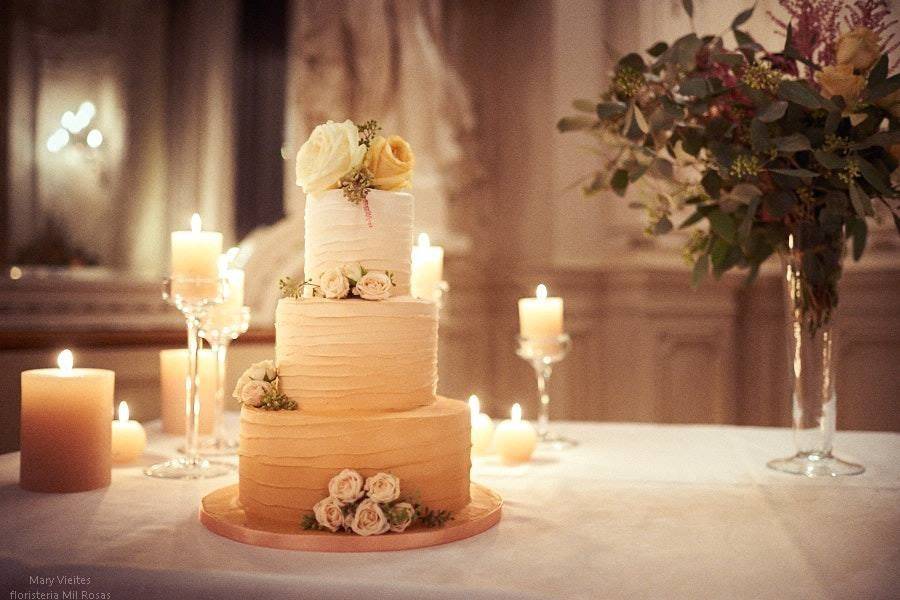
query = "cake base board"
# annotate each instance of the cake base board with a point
(221, 513)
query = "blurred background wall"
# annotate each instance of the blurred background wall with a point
(202, 106)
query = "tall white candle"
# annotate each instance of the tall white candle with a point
(65, 434)
(195, 257)
(427, 268)
(540, 317)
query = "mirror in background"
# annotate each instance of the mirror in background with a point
(121, 122)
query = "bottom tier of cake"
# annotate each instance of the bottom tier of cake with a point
(288, 457)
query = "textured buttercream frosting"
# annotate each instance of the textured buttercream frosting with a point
(338, 233)
(338, 355)
(288, 457)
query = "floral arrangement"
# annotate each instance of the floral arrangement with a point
(782, 152)
(258, 387)
(370, 506)
(354, 158)
(351, 278)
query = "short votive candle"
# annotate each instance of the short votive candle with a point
(128, 437)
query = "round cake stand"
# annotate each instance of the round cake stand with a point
(221, 513)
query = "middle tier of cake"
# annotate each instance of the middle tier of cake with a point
(356, 355)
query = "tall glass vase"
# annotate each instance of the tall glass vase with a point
(812, 267)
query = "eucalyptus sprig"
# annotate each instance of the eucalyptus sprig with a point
(309, 523)
(432, 518)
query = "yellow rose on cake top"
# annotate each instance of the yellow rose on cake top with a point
(391, 161)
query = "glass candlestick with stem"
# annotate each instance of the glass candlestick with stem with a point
(543, 353)
(192, 297)
(219, 326)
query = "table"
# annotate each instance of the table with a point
(635, 511)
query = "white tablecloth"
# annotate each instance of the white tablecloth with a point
(636, 511)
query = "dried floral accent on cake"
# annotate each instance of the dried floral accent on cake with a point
(350, 279)
(355, 159)
(370, 506)
(258, 387)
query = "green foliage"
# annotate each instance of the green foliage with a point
(775, 159)
(275, 400)
(432, 518)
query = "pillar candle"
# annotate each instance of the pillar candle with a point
(65, 433)
(195, 256)
(128, 437)
(427, 268)
(482, 427)
(540, 317)
(173, 370)
(515, 439)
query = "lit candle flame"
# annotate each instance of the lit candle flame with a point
(196, 223)
(516, 412)
(65, 360)
(474, 407)
(232, 253)
(124, 413)
(540, 292)
(424, 240)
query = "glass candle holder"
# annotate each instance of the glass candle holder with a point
(542, 353)
(192, 297)
(219, 326)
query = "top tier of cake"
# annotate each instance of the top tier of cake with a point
(338, 232)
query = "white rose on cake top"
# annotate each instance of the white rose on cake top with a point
(332, 151)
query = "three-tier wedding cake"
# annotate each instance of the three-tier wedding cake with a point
(352, 388)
